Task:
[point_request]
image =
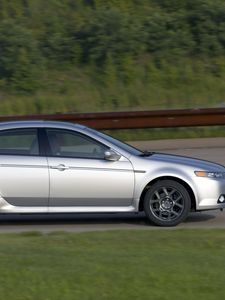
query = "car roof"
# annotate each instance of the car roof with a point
(39, 123)
(61, 125)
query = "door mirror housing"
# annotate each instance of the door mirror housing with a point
(111, 155)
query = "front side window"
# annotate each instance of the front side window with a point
(128, 148)
(19, 142)
(66, 143)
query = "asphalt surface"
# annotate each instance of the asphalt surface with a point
(209, 149)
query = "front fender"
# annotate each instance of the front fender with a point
(142, 180)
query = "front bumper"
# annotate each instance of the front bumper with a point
(208, 192)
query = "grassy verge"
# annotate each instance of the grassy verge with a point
(190, 84)
(174, 264)
(168, 133)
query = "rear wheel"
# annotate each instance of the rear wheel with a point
(167, 203)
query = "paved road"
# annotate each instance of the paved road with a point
(101, 222)
(210, 149)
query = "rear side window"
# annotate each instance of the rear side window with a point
(19, 142)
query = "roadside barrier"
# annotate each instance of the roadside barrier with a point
(137, 119)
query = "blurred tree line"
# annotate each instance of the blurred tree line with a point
(116, 40)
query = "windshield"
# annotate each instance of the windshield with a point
(116, 142)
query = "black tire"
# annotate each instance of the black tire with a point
(167, 203)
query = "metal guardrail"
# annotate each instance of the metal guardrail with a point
(138, 119)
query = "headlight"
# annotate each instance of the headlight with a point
(210, 174)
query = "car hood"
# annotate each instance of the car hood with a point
(187, 161)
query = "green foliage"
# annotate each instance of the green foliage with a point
(110, 32)
(20, 62)
(103, 55)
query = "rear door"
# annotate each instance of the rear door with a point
(24, 178)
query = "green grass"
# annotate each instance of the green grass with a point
(159, 264)
(191, 84)
(167, 133)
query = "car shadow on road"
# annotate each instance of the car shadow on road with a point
(116, 219)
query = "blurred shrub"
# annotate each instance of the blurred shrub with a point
(20, 62)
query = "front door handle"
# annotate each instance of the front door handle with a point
(60, 167)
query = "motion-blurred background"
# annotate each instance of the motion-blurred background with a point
(97, 55)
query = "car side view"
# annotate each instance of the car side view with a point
(56, 167)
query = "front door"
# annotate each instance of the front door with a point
(80, 176)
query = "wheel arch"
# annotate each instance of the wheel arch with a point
(185, 184)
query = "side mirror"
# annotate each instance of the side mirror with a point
(111, 155)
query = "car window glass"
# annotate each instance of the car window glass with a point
(116, 142)
(19, 142)
(71, 144)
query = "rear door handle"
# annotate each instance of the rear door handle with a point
(60, 167)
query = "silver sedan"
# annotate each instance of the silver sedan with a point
(55, 167)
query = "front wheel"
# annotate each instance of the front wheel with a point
(167, 203)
